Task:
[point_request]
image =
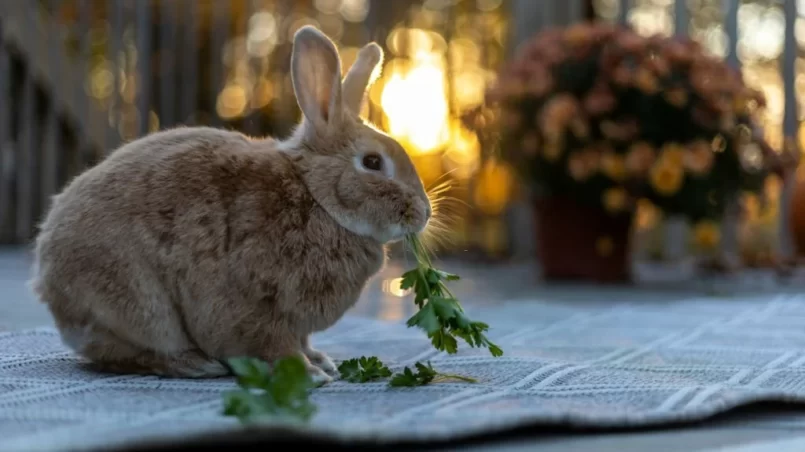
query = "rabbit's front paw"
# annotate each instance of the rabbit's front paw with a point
(318, 376)
(321, 360)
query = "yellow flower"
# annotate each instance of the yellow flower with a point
(706, 235)
(615, 199)
(673, 154)
(614, 166)
(666, 178)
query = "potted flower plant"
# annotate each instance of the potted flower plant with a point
(596, 117)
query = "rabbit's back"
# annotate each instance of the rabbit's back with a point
(147, 196)
(117, 247)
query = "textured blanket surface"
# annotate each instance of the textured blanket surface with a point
(612, 364)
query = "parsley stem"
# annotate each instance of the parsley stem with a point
(441, 377)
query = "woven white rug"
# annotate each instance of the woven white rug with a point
(615, 364)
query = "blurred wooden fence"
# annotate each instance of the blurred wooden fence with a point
(78, 77)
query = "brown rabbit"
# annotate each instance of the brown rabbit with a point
(193, 245)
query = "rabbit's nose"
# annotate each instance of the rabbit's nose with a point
(428, 212)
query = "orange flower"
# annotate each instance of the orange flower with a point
(699, 157)
(666, 178)
(658, 65)
(615, 199)
(614, 166)
(676, 52)
(678, 97)
(639, 158)
(622, 75)
(578, 168)
(646, 81)
(599, 100)
(673, 154)
(631, 41)
(621, 131)
(557, 114)
(727, 121)
(578, 34)
(540, 80)
(706, 235)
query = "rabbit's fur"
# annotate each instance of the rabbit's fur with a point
(193, 245)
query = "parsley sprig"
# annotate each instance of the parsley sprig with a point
(440, 314)
(279, 393)
(425, 374)
(363, 369)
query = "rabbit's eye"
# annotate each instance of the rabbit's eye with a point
(372, 162)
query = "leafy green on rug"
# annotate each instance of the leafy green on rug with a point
(363, 369)
(270, 394)
(425, 374)
(440, 314)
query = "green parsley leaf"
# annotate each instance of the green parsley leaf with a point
(280, 393)
(425, 374)
(440, 314)
(363, 369)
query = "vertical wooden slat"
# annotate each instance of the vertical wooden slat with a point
(25, 161)
(623, 12)
(677, 228)
(143, 15)
(369, 26)
(83, 101)
(50, 180)
(6, 232)
(254, 123)
(168, 62)
(51, 162)
(219, 30)
(730, 247)
(575, 10)
(790, 123)
(528, 17)
(681, 18)
(189, 59)
(731, 28)
(116, 38)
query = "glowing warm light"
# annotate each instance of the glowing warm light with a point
(392, 287)
(232, 101)
(464, 153)
(415, 102)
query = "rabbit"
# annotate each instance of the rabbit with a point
(189, 246)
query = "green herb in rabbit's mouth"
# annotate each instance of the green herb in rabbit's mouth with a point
(440, 313)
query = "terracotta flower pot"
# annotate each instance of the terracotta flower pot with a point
(577, 242)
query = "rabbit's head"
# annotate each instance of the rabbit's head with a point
(362, 177)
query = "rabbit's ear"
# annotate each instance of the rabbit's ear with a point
(316, 76)
(359, 75)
